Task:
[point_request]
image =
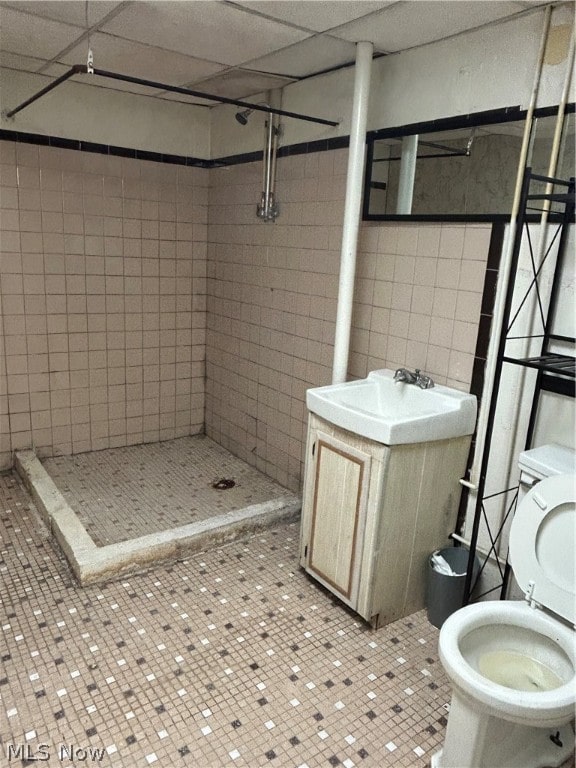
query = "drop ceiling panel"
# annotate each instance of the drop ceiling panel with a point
(240, 84)
(144, 90)
(405, 25)
(318, 15)
(68, 11)
(144, 61)
(234, 49)
(25, 34)
(197, 101)
(303, 59)
(54, 70)
(28, 63)
(205, 30)
(116, 85)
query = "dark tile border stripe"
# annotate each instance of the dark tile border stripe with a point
(483, 340)
(102, 149)
(487, 308)
(304, 148)
(471, 119)
(323, 145)
(320, 145)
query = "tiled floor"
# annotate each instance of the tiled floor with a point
(160, 485)
(229, 658)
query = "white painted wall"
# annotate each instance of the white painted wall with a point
(78, 111)
(483, 69)
(487, 68)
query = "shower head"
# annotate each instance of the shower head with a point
(243, 116)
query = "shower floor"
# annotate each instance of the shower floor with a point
(123, 509)
(125, 493)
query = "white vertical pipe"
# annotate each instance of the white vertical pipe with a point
(505, 263)
(353, 200)
(554, 154)
(407, 174)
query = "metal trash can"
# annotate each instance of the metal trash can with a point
(444, 593)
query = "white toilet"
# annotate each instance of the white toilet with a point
(512, 664)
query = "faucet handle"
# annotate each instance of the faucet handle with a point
(424, 382)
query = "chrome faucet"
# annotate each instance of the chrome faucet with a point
(403, 374)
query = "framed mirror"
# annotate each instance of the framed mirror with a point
(461, 168)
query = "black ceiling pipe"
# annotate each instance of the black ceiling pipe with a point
(83, 69)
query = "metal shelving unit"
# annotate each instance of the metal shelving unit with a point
(556, 371)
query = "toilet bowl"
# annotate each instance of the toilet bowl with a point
(512, 664)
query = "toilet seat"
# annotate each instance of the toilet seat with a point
(542, 545)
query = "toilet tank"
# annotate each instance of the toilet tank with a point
(544, 461)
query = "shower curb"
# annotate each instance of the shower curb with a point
(91, 564)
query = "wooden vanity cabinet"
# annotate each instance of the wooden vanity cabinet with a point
(373, 513)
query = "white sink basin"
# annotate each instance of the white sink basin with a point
(394, 412)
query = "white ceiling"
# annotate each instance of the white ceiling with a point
(232, 49)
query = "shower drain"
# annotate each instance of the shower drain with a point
(223, 483)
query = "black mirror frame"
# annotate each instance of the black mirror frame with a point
(489, 117)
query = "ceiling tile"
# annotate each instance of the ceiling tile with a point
(148, 62)
(240, 84)
(235, 49)
(95, 81)
(530, 3)
(69, 11)
(205, 30)
(318, 15)
(28, 63)
(405, 25)
(25, 34)
(181, 99)
(315, 54)
(105, 82)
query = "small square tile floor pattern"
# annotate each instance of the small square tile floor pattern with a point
(231, 657)
(123, 493)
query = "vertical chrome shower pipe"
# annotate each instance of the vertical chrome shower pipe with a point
(274, 144)
(267, 209)
(353, 200)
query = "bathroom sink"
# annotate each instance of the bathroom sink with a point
(392, 412)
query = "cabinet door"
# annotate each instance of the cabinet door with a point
(338, 497)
